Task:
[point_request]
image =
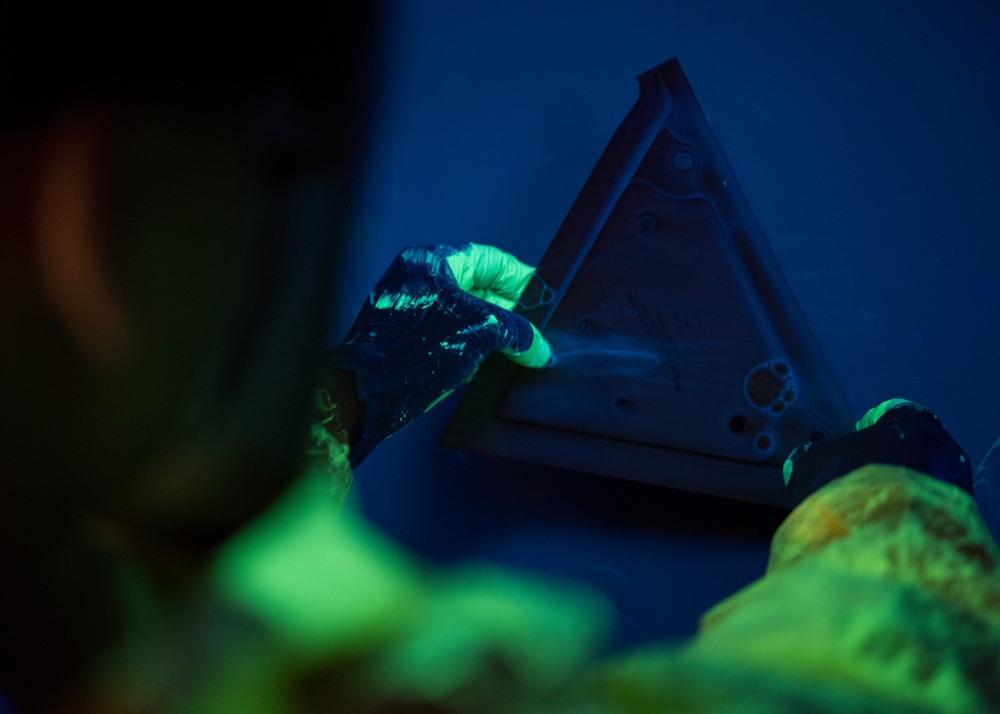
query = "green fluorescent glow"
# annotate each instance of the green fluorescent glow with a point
(316, 574)
(876, 413)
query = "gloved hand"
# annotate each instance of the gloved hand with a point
(430, 321)
(896, 432)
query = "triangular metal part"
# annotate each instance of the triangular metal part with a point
(681, 356)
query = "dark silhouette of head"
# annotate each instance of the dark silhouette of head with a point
(174, 197)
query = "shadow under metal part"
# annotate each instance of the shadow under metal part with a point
(681, 357)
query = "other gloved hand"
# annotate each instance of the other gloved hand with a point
(430, 321)
(896, 432)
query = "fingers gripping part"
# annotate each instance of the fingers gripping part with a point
(897, 432)
(499, 278)
(537, 355)
(490, 274)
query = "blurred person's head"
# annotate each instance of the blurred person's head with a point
(173, 198)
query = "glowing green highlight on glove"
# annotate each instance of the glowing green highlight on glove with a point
(876, 413)
(499, 278)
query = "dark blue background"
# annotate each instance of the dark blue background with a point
(863, 134)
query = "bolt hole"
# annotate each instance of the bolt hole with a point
(737, 425)
(763, 442)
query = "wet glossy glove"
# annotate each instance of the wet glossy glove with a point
(432, 318)
(896, 432)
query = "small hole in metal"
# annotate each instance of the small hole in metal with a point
(647, 223)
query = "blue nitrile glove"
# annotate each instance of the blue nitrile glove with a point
(432, 318)
(897, 432)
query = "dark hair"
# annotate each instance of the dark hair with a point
(303, 81)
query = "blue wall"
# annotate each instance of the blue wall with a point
(863, 134)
